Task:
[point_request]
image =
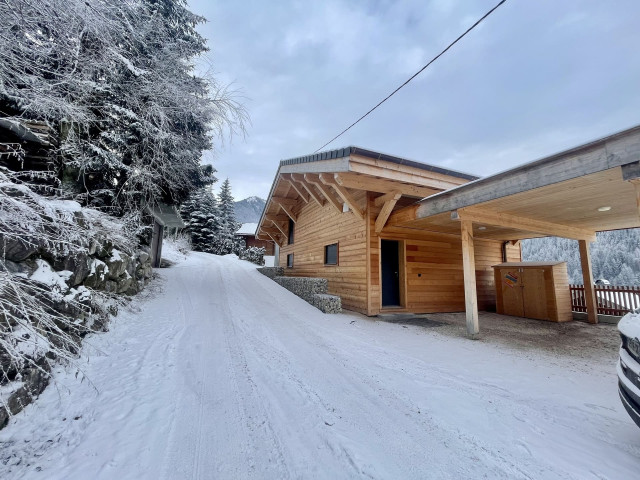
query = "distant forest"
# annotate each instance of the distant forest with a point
(615, 255)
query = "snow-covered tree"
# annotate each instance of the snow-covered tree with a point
(117, 80)
(201, 216)
(226, 240)
(615, 255)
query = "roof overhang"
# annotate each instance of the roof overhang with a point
(166, 215)
(333, 177)
(573, 194)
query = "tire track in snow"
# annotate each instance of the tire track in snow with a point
(372, 391)
(174, 457)
(257, 420)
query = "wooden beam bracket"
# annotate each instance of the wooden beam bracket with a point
(506, 220)
(299, 189)
(311, 178)
(344, 194)
(298, 177)
(383, 216)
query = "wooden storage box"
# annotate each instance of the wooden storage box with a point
(537, 290)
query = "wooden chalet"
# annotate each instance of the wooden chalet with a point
(393, 235)
(248, 232)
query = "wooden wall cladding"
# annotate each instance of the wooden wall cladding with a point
(319, 226)
(434, 277)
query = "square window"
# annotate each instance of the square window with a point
(290, 260)
(331, 254)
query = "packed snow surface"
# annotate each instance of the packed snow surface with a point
(221, 373)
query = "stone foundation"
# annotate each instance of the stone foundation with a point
(312, 290)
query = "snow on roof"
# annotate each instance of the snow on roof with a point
(166, 215)
(247, 229)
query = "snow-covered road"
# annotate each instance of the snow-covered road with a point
(223, 374)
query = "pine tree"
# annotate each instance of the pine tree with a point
(226, 241)
(201, 216)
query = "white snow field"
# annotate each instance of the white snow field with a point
(222, 374)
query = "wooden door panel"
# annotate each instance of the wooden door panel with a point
(512, 303)
(534, 294)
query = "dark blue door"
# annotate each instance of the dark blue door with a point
(390, 268)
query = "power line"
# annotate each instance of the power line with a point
(414, 75)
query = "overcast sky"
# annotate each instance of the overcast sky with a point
(537, 77)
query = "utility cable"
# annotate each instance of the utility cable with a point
(414, 75)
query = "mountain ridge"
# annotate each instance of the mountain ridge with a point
(249, 209)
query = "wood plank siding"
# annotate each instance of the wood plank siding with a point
(317, 227)
(434, 276)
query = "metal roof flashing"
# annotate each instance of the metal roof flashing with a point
(352, 150)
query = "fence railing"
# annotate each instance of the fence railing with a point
(612, 300)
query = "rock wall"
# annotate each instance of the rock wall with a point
(312, 290)
(73, 278)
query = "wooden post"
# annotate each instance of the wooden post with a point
(587, 278)
(469, 269)
(636, 183)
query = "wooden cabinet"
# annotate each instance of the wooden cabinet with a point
(537, 290)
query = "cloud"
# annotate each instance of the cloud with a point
(538, 77)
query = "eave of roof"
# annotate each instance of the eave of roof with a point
(346, 151)
(352, 150)
(611, 151)
(166, 215)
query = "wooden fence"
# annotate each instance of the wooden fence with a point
(612, 300)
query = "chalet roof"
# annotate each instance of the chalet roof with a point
(166, 215)
(347, 151)
(247, 229)
(335, 177)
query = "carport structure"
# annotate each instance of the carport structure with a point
(572, 194)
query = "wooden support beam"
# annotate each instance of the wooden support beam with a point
(299, 177)
(276, 217)
(290, 202)
(343, 193)
(636, 183)
(399, 176)
(506, 220)
(469, 269)
(381, 200)
(370, 184)
(275, 239)
(286, 209)
(403, 215)
(298, 188)
(587, 277)
(280, 227)
(268, 230)
(386, 210)
(311, 178)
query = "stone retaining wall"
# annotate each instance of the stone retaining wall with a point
(101, 267)
(312, 290)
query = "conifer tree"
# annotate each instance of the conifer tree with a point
(226, 241)
(200, 213)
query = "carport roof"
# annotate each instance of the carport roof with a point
(593, 187)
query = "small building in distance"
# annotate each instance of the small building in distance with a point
(248, 232)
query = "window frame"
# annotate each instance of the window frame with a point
(290, 257)
(291, 235)
(326, 247)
